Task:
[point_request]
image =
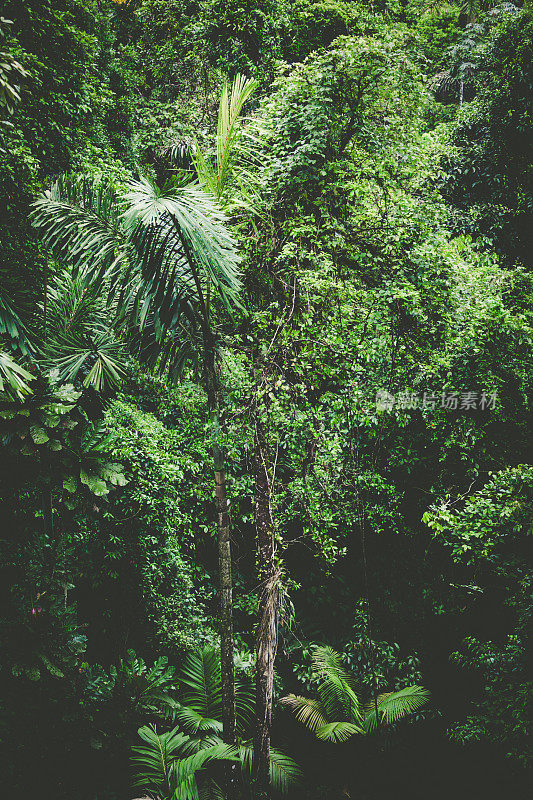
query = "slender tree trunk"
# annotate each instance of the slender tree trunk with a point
(212, 386)
(226, 606)
(266, 638)
(461, 92)
(224, 566)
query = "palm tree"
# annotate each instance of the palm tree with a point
(337, 714)
(233, 167)
(159, 255)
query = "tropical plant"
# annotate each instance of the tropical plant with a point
(161, 254)
(51, 426)
(338, 714)
(79, 340)
(222, 175)
(11, 74)
(166, 766)
(13, 379)
(12, 327)
(200, 711)
(132, 687)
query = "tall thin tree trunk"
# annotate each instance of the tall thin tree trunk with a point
(224, 565)
(461, 92)
(266, 638)
(226, 606)
(212, 386)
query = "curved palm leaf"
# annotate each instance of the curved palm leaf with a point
(13, 378)
(393, 706)
(80, 221)
(336, 691)
(194, 723)
(307, 710)
(166, 767)
(153, 760)
(151, 251)
(182, 238)
(337, 731)
(183, 770)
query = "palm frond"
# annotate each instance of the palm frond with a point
(211, 791)
(337, 731)
(244, 702)
(181, 239)
(308, 711)
(218, 176)
(80, 342)
(284, 771)
(194, 723)
(201, 676)
(79, 219)
(183, 769)
(393, 706)
(151, 251)
(11, 325)
(14, 379)
(336, 689)
(153, 760)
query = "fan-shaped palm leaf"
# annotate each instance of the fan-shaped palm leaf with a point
(181, 238)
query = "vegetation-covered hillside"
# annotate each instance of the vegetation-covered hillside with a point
(266, 348)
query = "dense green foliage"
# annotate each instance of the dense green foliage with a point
(355, 267)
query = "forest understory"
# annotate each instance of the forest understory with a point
(266, 342)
